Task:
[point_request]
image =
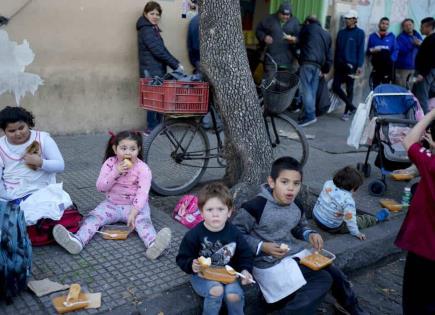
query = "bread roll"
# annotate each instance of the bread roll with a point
(284, 246)
(204, 262)
(74, 292)
(33, 148)
(128, 163)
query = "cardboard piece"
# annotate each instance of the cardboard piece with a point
(45, 286)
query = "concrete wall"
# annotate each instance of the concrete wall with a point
(86, 53)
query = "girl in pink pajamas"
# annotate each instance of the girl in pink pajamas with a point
(126, 181)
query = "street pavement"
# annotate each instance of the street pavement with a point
(129, 282)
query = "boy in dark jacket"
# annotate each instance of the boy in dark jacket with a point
(272, 224)
(223, 244)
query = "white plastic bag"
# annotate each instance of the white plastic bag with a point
(48, 202)
(357, 127)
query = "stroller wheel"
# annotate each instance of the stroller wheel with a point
(366, 169)
(377, 188)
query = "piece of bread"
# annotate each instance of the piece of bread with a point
(33, 148)
(73, 293)
(128, 163)
(284, 246)
(204, 262)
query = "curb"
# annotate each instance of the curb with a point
(352, 254)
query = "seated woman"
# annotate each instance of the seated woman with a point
(26, 166)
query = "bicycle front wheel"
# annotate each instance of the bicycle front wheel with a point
(287, 138)
(178, 153)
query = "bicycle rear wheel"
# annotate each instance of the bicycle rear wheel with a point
(287, 138)
(177, 151)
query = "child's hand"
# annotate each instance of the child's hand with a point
(132, 217)
(196, 267)
(316, 241)
(248, 278)
(273, 249)
(361, 236)
(122, 167)
(33, 160)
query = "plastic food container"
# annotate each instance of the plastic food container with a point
(390, 204)
(219, 274)
(118, 232)
(318, 259)
(402, 176)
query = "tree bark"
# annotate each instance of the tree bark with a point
(224, 63)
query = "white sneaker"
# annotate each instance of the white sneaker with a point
(67, 240)
(163, 238)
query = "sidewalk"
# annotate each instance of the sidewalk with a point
(129, 282)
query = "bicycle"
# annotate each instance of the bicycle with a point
(180, 148)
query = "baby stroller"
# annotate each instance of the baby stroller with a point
(392, 113)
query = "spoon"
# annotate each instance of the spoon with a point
(231, 271)
(69, 304)
(108, 234)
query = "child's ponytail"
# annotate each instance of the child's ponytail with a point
(115, 139)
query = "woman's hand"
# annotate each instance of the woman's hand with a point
(316, 241)
(273, 249)
(248, 279)
(196, 267)
(132, 217)
(33, 160)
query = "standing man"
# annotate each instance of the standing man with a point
(315, 60)
(425, 64)
(381, 47)
(408, 43)
(193, 39)
(279, 33)
(349, 58)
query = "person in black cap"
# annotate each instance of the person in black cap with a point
(279, 33)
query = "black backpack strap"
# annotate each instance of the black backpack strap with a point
(255, 207)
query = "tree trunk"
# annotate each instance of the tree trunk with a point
(224, 62)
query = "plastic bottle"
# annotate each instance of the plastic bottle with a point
(406, 198)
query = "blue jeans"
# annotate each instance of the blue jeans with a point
(309, 78)
(153, 119)
(421, 90)
(212, 304)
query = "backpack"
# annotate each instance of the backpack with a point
(15, 251)
(186, 211)
(41, 233)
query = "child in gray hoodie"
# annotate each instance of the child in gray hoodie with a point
(272, 224)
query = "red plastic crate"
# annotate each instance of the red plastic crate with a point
(174, 97)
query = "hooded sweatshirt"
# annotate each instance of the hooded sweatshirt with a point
(263, 219)
(153, 55)
(281, 50)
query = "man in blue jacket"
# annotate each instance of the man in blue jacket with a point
(408, 43)
(382, 49)
(349, 58)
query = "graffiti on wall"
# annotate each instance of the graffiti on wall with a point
(14, 58)
(396, 10)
